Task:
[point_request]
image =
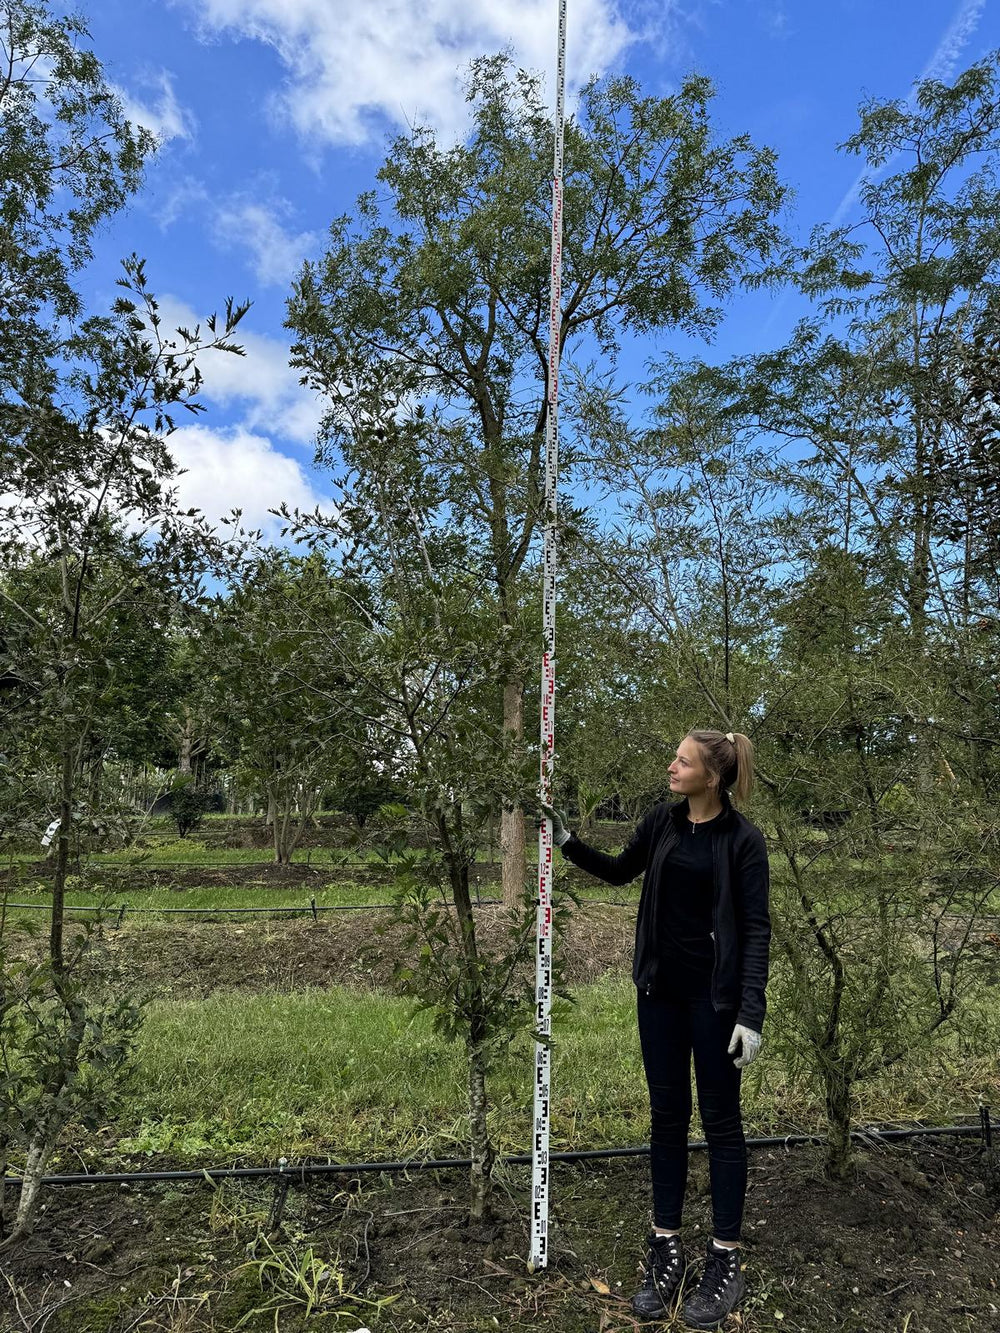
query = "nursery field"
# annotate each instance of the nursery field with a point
(269, 731)
(268, 1035)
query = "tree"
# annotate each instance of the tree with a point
(70, 161)
(915, 282)
(420, 669)
(74, 470)
(188, 805)
(85, 405)
(283, 708)
(439, 297)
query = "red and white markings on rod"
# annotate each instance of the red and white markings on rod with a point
(543, 952)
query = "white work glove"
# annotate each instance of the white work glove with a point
(751, 1045)
(560, 833)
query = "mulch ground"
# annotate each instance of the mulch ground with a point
(257, 874)
(908, 1246)
(356, 949)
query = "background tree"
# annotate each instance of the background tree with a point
(440, 295)
(278, 699)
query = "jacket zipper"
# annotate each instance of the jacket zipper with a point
(715, 917)
(668, 830)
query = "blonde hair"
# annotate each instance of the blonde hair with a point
(728, 756)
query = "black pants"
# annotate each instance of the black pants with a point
(669, 1031)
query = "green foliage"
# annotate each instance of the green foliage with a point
(362, 799)
(283, 700)
(481, 1000)
(306, 1284)
(188, 804)
(71, 160)
(443, 289)
(66, 1032)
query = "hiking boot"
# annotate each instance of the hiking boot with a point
(721, 1288)
(661, 1277)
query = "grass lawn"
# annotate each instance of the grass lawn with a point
(357, 1075)
(266, 898)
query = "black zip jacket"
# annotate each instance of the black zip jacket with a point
(742, 931)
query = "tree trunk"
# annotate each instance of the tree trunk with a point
(4, 1153)
(62, 857)
(514, 865)
(482, 1149)
(283, 836)
(186, 747)
(839, 1162)
(37, 1159)
(50, 1122)
(290, 825)
(96, 781)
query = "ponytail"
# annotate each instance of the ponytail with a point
(729, 756)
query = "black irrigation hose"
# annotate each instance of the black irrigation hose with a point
(872, 1134)
(310, 909)
(227, 865)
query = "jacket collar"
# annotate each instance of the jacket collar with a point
(679, 812)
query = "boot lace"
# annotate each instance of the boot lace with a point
(719, 1268)
(663, 1260)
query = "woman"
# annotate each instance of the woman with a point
(700, 968)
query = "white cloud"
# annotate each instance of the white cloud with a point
(236, 469)
(943, 62)
(776, 21)
(941, 65)
(352, 68)
(164, 115)
(181, 198)
(260, 385)
(223, 469)
(276, 254)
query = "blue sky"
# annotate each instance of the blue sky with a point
(274, 115)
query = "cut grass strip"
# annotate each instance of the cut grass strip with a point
(350, 893)
(204, 899)
(358, 1076)
(191, 852)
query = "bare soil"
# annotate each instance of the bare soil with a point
(358, 948)
(355, 948)
(909, 1246)
(259, 874)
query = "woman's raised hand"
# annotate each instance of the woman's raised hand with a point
(560, 833)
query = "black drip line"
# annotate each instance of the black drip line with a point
(871, 1134)
(311, 908)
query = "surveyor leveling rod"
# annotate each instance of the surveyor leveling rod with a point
(543, 952)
